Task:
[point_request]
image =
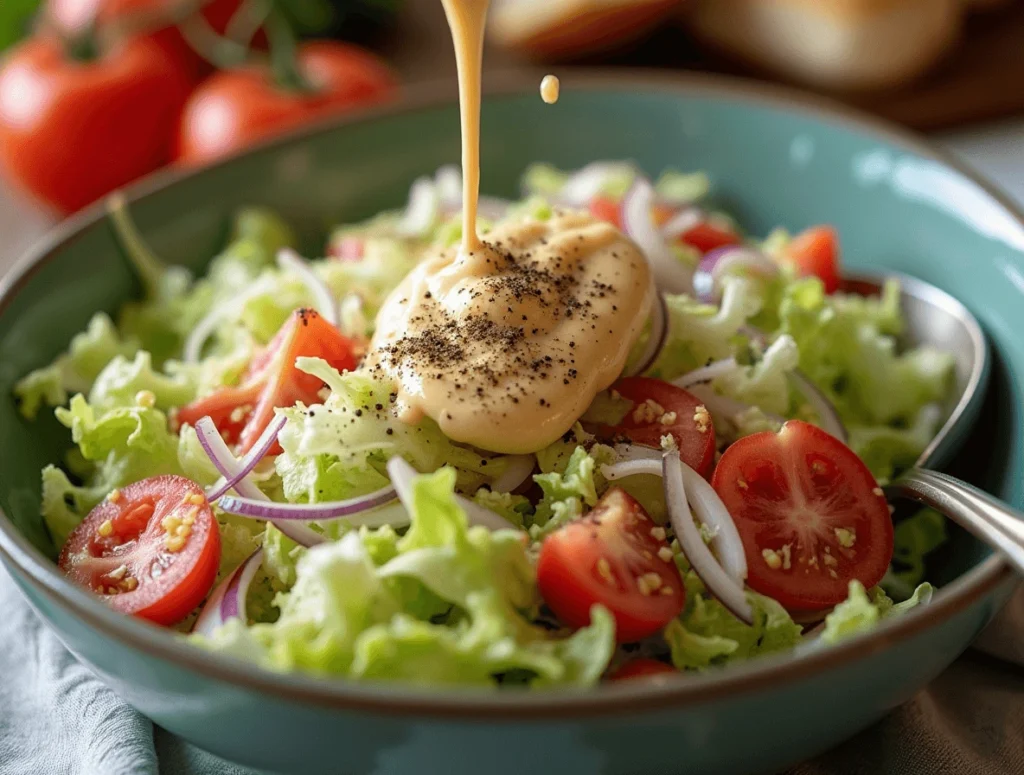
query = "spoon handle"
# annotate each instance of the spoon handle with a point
(988, 518)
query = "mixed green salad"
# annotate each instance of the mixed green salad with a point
(235, 475)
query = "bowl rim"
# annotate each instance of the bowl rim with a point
(487, 705)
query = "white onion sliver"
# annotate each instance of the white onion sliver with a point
(637, 452)
(670, 274)
(636, 467)
(448, 183)
(703, 562)
(421, 211)
(707, 373)
(713, 513)
(589, 181)
(202, 331)
(402, 475)
(682, 222)
(323, 299)
(249, 460)
(227, 601)
(308, 512)
(222, 458)
(517, 469)
(656, 338)
(827, 414)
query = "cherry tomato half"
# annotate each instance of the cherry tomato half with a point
(73, 131)
(612, 556)
(151, 549)
(815, 252)
(642, 668)
(705, 237)
(233, 109)
(243, 412)
(811, 515)
(660, 409)
(604, 208)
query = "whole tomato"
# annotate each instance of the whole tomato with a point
(72, 130)
(156, 19)
(232, 109)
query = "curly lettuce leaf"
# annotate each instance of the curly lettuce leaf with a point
(124, 383)
(914, 538)
(75, 370)
(568, 488)
(864, 609)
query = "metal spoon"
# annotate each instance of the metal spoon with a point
(935, 318)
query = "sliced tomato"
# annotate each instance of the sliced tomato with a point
(151, 549)
(816, 252)
(612, 556)
(661, 409)
(643, 668)
(705, 237)
(811, 515)
(605, 208)
(243, 412)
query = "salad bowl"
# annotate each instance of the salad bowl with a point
(775, 158)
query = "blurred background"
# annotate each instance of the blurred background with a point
(96, 93)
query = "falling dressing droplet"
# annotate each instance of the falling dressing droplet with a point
(549, 89)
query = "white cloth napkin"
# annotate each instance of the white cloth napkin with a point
(56, 718)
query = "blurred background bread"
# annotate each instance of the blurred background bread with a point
(837, 44)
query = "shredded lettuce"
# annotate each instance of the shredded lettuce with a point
(568, 488)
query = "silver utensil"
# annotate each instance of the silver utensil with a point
(935, 318)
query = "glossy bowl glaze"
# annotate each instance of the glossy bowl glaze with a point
(775, 159)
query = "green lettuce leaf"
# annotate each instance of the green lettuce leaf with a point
(568, 488)
(914, 539)
(75, 370)
(124, 383)
(864, 609)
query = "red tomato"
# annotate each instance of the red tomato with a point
(150, 550)
(606, 209)
(155, 19)
(644, 669)
(650, 418)
(816, 252)
(72, 131)
(705, 237)
(612, 556)
(233, 109)
(242, 413)
(811, 515)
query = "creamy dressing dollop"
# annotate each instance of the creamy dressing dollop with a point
(506, 345)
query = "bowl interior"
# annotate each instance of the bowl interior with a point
(895, 205)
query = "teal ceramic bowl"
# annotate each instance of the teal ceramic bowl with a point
(775, 159)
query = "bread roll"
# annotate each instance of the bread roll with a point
(836, 44)
(558, 29)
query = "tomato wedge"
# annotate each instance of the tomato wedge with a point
(811, 515)
(815, 252)
(660, 409)
(151, 549)
(705, 237)
(642, 668)
(242, 413)
(615, 556)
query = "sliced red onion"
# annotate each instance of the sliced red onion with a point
(307, 512)
(402, 475)
(706, 374)
(249, 461)
(221, 457)
(634, 459)
(421, 211)
(719, 262)
(227, 601)
(682, 222)
(718, 582)
(323, 299)
(826, 411)
(655, 339)
(517, 469)
(670, 274)
(589, 181)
